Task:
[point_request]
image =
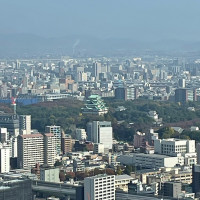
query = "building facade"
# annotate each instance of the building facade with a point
(99, 187)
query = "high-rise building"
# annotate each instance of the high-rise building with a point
(49, 149)
(56, 130)
(4, 136)
(36, 149)
(101, 132)
(198, 152)
(196, 178)
(30, 150)
(181, 83)
(66, 143)
(81, 134)
(121, 93)
(13, 141)
(96, 69)
(139, 140)
(11, 122)
(25, 124)
(4, 159)
(171, 189)
(184, 95)
(16, 189)
(99, 187)
(126, 93)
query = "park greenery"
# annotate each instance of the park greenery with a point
(67, 114)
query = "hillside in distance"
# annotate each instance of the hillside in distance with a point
(28, 45)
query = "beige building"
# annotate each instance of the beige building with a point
(49, 149)
(36, 148)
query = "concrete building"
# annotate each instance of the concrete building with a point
(183, 149)
(16, 189)
(25, 124)
(49, 149)
(183, 95)
(13, 141)
(30, 150)
(49, 174)
(101, 132)
(171, 189)
(4, 135)
(196, 178)
(56, 130)
(81, 134)
(99, 187)
(4, 159)
(98, 148)
(198, 152)
(148, 160)
(173, 147)
(67, 143)
(122, 181)
(139, 140)
(11, 122)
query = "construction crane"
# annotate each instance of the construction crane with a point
(13, 100)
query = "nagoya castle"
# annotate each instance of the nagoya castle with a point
(95, 105)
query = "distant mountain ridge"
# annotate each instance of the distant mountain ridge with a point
(28, 44)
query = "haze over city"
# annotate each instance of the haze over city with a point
(99, 100)
(99, 25)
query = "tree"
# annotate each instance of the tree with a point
(58, 163)
(119, 170)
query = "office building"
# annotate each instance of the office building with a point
(198, 152)
(101, 132)
(99, 187)
(148, 160)
(25, 124)
(171, 189)
(98, 148)
(13, 141)
(173, 147)
(4, 135)
(56, 130)
(4, 159)
(183, 95)
(181, 83)
(196, 178)
(121, 93)
(126, 93)
(16, 189)
(81, 134)
(96, 69)
(11, 122)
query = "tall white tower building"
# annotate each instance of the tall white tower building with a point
(101, 132)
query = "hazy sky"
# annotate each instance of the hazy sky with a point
(137, 19)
